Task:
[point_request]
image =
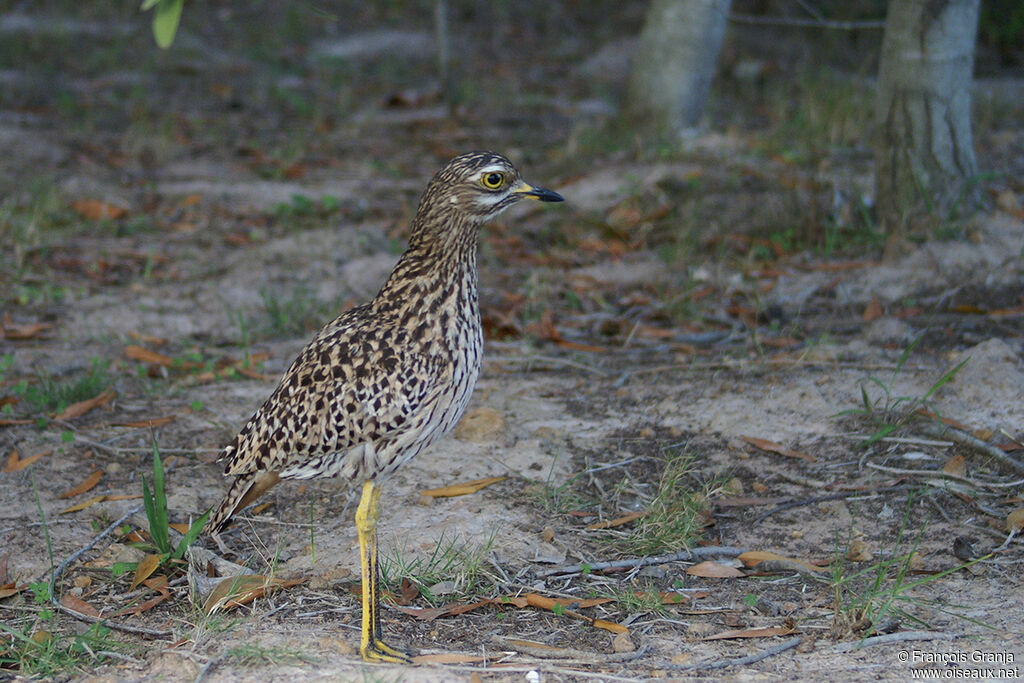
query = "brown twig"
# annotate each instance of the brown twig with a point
(939, 474)
(137, 630)
(681, 556)
(59, 571)
(941, 431)
(741, 661)
(822, 499)
(898, 637)
(565, 655)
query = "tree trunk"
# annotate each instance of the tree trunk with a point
(675, 62)
(924, 155)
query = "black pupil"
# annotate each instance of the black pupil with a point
(493, 179)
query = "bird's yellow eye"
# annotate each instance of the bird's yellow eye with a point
(492, 181)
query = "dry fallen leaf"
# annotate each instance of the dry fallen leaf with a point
(772, 447)
(143, 606)
(146, 566)
(559, 606)
(180, 527)
(158, 583)
(83, 504)
(755, 557)
(1015, 520)
(236, 591)
(148, 339)
(24, 332)
(956, 465)
(609, 626)
(713, 570)
(77, 604)
(146, 424)
(463, 489)
(15, 463)
(96, 210)
(873, 311)
(146, 356)
(82, 407)
(9, 589)
(673, 598)
(86, 485)
(625, 519)
(123, 496)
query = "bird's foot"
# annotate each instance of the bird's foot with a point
(379, 651)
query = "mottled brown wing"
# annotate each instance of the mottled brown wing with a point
(345, 389)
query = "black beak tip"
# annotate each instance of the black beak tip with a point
(546, 195)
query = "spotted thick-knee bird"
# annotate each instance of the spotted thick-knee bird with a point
(383, 381)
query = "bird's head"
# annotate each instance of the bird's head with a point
(477, 186)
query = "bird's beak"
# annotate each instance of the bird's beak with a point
(538, 193)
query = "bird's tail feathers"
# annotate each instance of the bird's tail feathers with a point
(245, 489)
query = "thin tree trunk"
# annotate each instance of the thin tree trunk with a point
(675, 62)
(924, 153)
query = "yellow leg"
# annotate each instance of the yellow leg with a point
(371, 646)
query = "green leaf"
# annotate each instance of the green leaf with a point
(165, 21)
(158, 522)
(193, 533)
(148, 5)
(147, 501)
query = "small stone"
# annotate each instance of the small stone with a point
(329, 578)
(700, 629)
(115, 553)
(859, 551)
(915, 561)
(338, 645)
(482, 424)
(682, 658)
(443, 588)
(652, 572)
(622, 643)
(733, 487)
(545, 433)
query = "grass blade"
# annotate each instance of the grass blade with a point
(191, 535)
(158, 522)
(945, 378)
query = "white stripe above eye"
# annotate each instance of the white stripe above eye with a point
(493, 168)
